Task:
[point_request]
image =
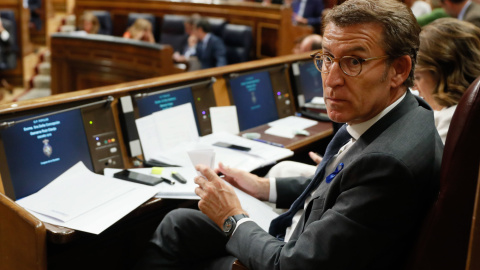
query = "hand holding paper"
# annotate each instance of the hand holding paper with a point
(218, 199)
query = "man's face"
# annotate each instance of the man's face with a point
(357, 99)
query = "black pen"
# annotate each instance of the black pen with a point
(179, 178)
(168, 181)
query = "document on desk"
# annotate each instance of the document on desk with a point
(165, 130)
(289, 126)
(85, 201)
(224, 119)
(156, 135)
(261, 213)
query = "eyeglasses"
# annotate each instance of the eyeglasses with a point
(350, 65)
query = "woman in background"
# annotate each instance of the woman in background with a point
(141, 29)
(448, 62)
(89, 23)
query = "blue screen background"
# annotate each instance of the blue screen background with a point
(254, 99)
(30, 168)
(310, 81)
(158, 102)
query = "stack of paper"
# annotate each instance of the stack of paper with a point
(288, 127)
(261, 213)
(85, 201)
(169, 134)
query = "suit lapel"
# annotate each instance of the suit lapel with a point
(408, 104)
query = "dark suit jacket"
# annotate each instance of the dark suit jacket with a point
(313, 11)
(214, 54)
(472, 14)
(367, 216)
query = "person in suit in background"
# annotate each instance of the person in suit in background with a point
(464, 10)
(448, 62)
(210, 50)
(189, 44)
(141, 29)
(372, 189)
(308, 12)
(7, 44)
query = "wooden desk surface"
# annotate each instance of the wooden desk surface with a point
(319, 131)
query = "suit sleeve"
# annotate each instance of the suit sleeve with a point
(315, 16)
(220, 53)
(373, 210)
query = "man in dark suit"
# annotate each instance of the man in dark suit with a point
(464, 10)
(308, 12)
(210, 50)
(7, 44)
(372, 189)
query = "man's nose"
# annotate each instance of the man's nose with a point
(335, 77)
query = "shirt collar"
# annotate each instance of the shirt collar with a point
(464, 9)
(357, 130)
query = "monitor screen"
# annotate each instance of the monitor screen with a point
(39, 150)
(310, 81)
(253, 96)
(164, 100)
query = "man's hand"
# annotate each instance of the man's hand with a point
(257, 187)
(218, 199)
(315, 157)
(301, 20)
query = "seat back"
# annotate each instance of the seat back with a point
(133, 16)
(217, 25)
(22, 238)
(238, 42)
(105, 21)
(444, 238)
(173, 32)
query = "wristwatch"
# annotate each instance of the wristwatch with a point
(230, 223)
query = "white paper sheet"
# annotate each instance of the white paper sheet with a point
(164, 130)
(294, 122)
(261, 213)
(75, 183)
(224, 119)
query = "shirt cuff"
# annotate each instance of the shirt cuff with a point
(273, 190)
(241, 221)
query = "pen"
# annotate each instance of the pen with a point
(268, 142)
(168, 181)
(179, 178)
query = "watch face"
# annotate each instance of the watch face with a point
(227, 225)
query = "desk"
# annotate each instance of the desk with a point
(120, 245)
(320, 131)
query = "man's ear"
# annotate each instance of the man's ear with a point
(401, 68)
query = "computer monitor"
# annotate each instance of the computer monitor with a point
(198, 93)
(261, 96)
(307, 81)
(254, 98)
(163, 100)
(36, 148)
